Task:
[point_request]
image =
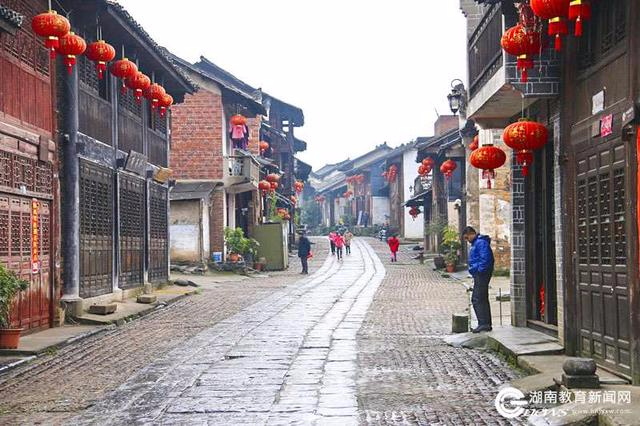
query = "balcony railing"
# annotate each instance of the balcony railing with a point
(242, 173)
(485, 52)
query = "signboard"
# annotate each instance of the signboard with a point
(136, 163)
(35, 236)
(628, 116)
(597, 102)
(606, 125)
(162, 175)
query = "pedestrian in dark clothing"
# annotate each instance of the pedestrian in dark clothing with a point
(304, 252)
(481, 263)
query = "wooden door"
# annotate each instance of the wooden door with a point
(158, 233)
(132, 233)
(96, 229)
(20, 219)
(602, 252)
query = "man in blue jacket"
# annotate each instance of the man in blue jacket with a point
(481, 269)
(304, 250)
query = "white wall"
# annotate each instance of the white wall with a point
(412, 228)
(380, 209)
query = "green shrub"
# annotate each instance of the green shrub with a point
(10, 286)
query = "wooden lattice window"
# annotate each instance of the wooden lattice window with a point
(132, 231)
(26, 46)
(604, 32)
(158, 227)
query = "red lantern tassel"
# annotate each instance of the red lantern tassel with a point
(138, 96)
(101, 67)
(558, 28)
(123, 89)
(52, 44)
(524, 64)
(70, 61)
(579, 10)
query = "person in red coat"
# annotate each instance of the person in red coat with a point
(394, 245)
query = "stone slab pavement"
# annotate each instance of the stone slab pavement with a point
(289, 359)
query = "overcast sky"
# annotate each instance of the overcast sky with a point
(363, 71)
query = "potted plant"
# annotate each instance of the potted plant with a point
(238, 245)
(450, 245)
(10, 286)
(434, 231)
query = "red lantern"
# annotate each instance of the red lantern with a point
(100, 52)
(70, 46)
(556, 12)
(428, 163)
(475, 143)
(524, 137)
(138, 83)
(124, 69)
(165, 103)
(264, 186)
(154, 93)
(448, 167)
(422, 170)
(579, 10)
(274, 186)
(523, 44)
(360, 179)
(488, 158)
(238, 120)
(264, 146)
(52, 26)
(273, 177)
(414, 212)
(299, 186)
(294, 200)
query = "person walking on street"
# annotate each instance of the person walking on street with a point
(394, 245)
(348, 236)
(332, 242)
(339, 242)
(481, 263)
(304, 252)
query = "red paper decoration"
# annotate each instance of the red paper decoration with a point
(488, 158)
(100, 52)
(556, 12)
(428, 163)
(51, 26)
(414, 212)
(524, 137)
(579, 10)
(273, 177)
(391, 174)
(70, 46)
(448, 167)
(165, 103)
(124, 69)
(475, 143)
(238, 120)
(138, 83)
(264, 186)
(154, 93)
(523, 44)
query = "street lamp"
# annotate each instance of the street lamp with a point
(457, 97)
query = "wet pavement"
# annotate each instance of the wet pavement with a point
(357, 342)
(290, 358)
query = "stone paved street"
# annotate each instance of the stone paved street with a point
(408, 375)
(358, 341)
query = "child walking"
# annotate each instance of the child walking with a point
(348, 236)
(394, 245)
(339, 242)
(332, 237)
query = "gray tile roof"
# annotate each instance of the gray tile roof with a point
(11, 17)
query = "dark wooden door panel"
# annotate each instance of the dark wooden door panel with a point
(132, 231)
(96, 229)
(158, 238)
(601, 238)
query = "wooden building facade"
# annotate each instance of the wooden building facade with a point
(29, 236)
(115, 201)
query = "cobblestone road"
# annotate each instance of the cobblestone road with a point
(55, 387)
(359, 341)
(408, 375)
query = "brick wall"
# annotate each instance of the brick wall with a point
(196, 150)
(445, 123)
(559, 217)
